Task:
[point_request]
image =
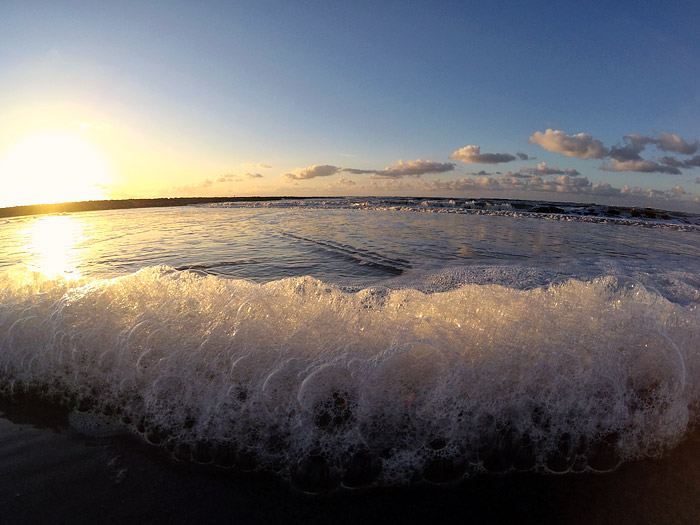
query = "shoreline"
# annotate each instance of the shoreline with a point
(125, 204)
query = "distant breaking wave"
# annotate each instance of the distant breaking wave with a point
(646, 217)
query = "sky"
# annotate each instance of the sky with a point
(567, 101)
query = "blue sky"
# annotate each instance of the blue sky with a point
(325, 98)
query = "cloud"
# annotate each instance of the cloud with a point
(390, 185)
(341, 183)
(666, 142)
(674, 162)
(641, 165)
(626, 157)
(628, 152)
(671, 142)
(193, 189)
(253, 165)
(543, 169)
(678, 190)
(358, 172)
(693, 162)
(579, 185)
(412, 168)
(523, 156)
(226, 178)
(581, 145)
(401, 169)
(639, 141)
(567, 181)
(232, 177)
(317, 170)
(636, 191)
(473, 155)
(604, 189)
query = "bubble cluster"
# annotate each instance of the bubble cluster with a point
(329, 388)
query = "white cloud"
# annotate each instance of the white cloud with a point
(563, 184)
(412, 168)
(566, 181)
(581, 145)
(311, 172)
(473, 155)
(624, 157)
(341, 183)
(678, 190)
(543, 169)
(398, 170)
(232, 177)
(636, 191)
(671, 142)
(390, 185)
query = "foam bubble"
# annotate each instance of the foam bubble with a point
(328, 387)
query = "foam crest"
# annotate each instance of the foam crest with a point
(380, 386)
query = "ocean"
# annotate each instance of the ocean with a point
(344, 353)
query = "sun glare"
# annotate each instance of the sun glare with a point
(52, 167)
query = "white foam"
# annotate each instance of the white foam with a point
(480, 377)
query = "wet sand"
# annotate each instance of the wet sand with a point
(49, 473)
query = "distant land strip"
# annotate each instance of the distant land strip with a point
(122, 204)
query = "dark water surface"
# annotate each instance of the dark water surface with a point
(52, 474)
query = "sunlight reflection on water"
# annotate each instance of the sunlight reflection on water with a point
(52, 244)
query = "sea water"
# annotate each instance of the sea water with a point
(362, 342)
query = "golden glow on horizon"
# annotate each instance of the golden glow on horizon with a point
(53, 243)
(50, 167)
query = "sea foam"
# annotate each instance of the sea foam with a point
(380, 386)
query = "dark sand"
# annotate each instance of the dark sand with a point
(51, 474)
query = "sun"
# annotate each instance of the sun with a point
(50, 167)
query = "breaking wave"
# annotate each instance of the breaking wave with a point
(383, 386)
(560, 211)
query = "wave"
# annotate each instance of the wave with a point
(380, 386)
(566, 211)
